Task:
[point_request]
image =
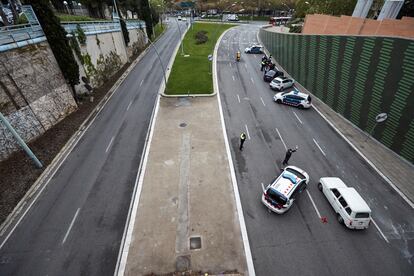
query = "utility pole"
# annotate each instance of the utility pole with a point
(20, 141)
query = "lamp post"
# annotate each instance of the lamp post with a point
(66, 6)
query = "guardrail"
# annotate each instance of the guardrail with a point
(16, 36)
(95, 27)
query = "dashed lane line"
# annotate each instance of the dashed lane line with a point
(379, 230)
(247, 130)
(70, 226)
(129, 105)
(314, 205)
(110, 143)
(297, 117)
(281, 139)
(319, 147)
(262, 101)
(238, 98)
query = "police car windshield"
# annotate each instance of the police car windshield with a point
(298, 174)
(276, 196)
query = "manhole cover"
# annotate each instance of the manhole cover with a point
(183, 125)
(182, 263)
(195, 243)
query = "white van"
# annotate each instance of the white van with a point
(350, 207)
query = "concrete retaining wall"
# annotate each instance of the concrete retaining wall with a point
(33, 94)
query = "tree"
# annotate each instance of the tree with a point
(58, 42)
(145, 14)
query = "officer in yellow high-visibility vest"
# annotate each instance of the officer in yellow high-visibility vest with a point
(242, 139)
(238, 56)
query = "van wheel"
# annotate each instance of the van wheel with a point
(278, 101)
(320, 187)
(340, 219)
(300, 106)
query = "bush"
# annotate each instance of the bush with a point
(80, 34)
(201, 37)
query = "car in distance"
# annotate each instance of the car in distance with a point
(279, 196)
(351, 209)
(294, 98)
(271, 74)
(281, 83)
(254, 49)
(179, 18)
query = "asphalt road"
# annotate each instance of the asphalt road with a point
(298, 242)
(76, 225)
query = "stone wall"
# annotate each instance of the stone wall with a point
(33, 94)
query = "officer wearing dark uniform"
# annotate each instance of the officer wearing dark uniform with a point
(242, 139)
(288, 155)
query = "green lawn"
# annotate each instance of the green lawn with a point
(69, 18)
(192, 74)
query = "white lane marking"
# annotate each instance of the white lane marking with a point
(319, 147)
(379, 230)
(239, 208)
(262, 101)
(297, 117)
(245, 65)
(230, 64)
(129, 105)
(70, 226)
(247, 130)
(281, 139)
(141, 83)
(314, 205)
(238, 98)
(233, 78)
(409, 202)
(110, 143)
(252, 80)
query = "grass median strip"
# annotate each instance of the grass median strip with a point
(191, 72)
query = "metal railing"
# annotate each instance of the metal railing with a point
(94, 27)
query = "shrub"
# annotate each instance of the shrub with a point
(81, 35)
(201, 37)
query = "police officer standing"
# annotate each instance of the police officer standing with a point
(289, 154)
(242, 139)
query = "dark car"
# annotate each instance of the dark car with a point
(271, 74)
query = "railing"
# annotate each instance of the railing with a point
(94, 27)
(15, 36)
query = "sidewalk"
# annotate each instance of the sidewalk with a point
(187, 192)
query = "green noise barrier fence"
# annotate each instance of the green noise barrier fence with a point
(358, 77)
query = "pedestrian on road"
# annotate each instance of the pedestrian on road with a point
(242, 139)
(263, 64)
(289, 154)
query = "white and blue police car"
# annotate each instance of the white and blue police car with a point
(294, 98)
(279, 196)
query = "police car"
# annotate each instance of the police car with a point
(254, 49)
(294, 98)
(279, 196)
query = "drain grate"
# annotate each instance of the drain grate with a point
(183, 125)
(195, 243)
